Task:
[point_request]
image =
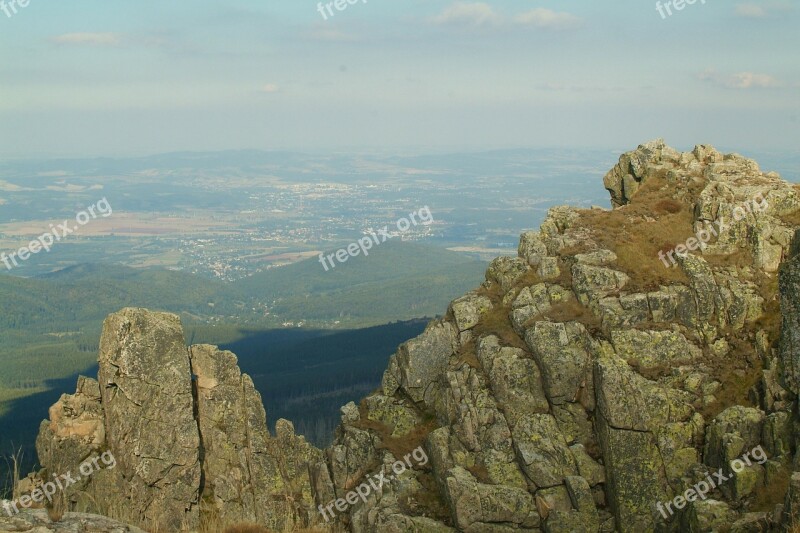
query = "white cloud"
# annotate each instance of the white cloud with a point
(764, 9)
(90, 39)
(740, 80)
(482, 16)
(548, 19)
(750, 11)
(270, 88)
(475, 15)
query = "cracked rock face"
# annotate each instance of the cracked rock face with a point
(146, 394)
(188, 431)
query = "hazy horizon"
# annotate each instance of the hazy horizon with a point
(96, 79)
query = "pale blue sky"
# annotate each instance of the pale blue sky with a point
(92, 77)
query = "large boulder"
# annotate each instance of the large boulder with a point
(187, 431)
(146, 388)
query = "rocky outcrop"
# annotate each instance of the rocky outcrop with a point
(187, 429)
(148, 407)
(589, 382)
(626, 372)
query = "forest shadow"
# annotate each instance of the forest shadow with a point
(304, 376)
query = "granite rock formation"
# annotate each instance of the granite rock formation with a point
(620, 359)
(188, 431)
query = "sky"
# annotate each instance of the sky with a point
(112, 78)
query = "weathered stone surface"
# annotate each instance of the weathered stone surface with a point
(777, 434)
(597, 258)
(624, 180)
(560, 351)
(472, 412)
(36, 521)
(422, 360)
(506, 271)
(791, 504)
(591, 283)
(634, 465)
(536, 300)
(514, 378)
(399, 523)
(249, 477)
(589, 469)
(472, 502)
(532, 248)
(702, 283)
(187, 431)
(677, 444)
(752, 523)
(542, 450)
(75, 431)
(571, 388)
(548, 268)
(352, 457)
(734, 431)
(707, 515)
(467, 310)
(653, 348)
(790, 330)
(222, 415)
(582, 500)
(146, 387)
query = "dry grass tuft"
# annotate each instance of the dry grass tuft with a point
(570, 311)
(668, 206)
(654, 221)
(468, 355)
(57, 507)
(772, 493)
(498, 322)
(738, 372)
(13, 462)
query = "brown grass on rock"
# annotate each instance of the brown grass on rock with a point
(570, 311)
(654, 221)
(398, 446)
